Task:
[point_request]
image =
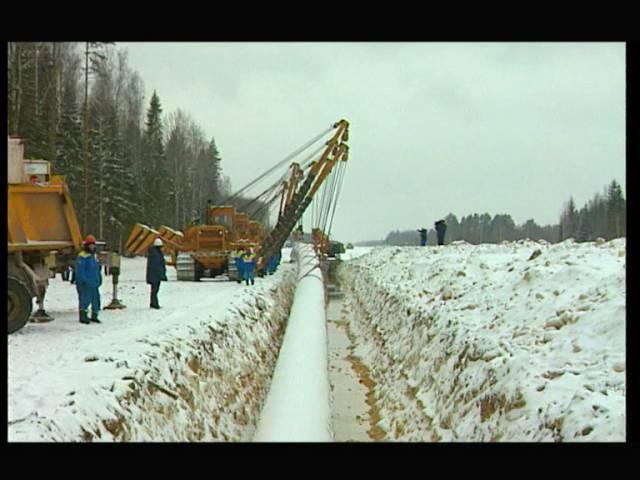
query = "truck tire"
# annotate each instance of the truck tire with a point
(19, 304)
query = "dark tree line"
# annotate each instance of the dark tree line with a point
(81, 106)
(603, 216)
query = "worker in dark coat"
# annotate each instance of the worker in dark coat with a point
(156, 271)
(441, 228)
(88, 280)
(423, 236)
(237, 258)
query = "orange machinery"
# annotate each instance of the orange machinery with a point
(202, 250)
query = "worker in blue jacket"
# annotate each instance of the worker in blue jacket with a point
(249, 265)
(423, 237)
(88, 280)
(237, 258)
(272, 264)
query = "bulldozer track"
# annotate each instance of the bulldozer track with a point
(186, 267)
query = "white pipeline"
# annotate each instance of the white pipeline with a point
(297, 406)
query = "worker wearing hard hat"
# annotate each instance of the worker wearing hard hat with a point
(156, 271)
(88, 280)
(249, 265)
(237, 259)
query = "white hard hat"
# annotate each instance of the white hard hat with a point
(157, 242)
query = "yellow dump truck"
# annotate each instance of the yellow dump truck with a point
(43, 233)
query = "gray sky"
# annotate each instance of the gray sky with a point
(435, 127)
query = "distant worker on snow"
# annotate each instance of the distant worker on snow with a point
(441, 228)
(423, 236)
(88, 280)
(156, 271)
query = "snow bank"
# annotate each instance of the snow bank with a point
(297, 406)
(197, 370)
(354, 252)
(490, 342)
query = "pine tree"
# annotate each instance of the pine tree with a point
(530, 229)
(175, 153)
(26, 109)
(616, 207)
(569, 220)
(214, 179)
(120, 206)
(69, 140)
(14, 79)
(484, 226)
(33, 96)
(94, 63)
(453, 227)
(48, 99)
(154, 169)
(585, 230)
(131, 134)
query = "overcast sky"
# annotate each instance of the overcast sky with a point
(435, 127)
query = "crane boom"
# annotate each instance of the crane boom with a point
(296, 203)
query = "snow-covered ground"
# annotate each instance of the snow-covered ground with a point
(485, 343)
(198, 369)
(454, 343)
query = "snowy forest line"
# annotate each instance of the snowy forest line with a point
(602, 216)
(82, 107)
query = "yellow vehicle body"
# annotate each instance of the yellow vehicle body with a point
(223, 215)
(256, 232)
(241, 227)
(43, 233)
(320, 240)
(201, 249)
(42, 218)
(208, 245)
(140, 239)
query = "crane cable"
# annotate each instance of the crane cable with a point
(279, 164)
(267, 204)
(328, 192)
(325, 207)
(283, 177)
(342, 171)
(320, 202)
(330, 198)
(306, 163)
(273, 186)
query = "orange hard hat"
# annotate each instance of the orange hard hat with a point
(89, 240)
